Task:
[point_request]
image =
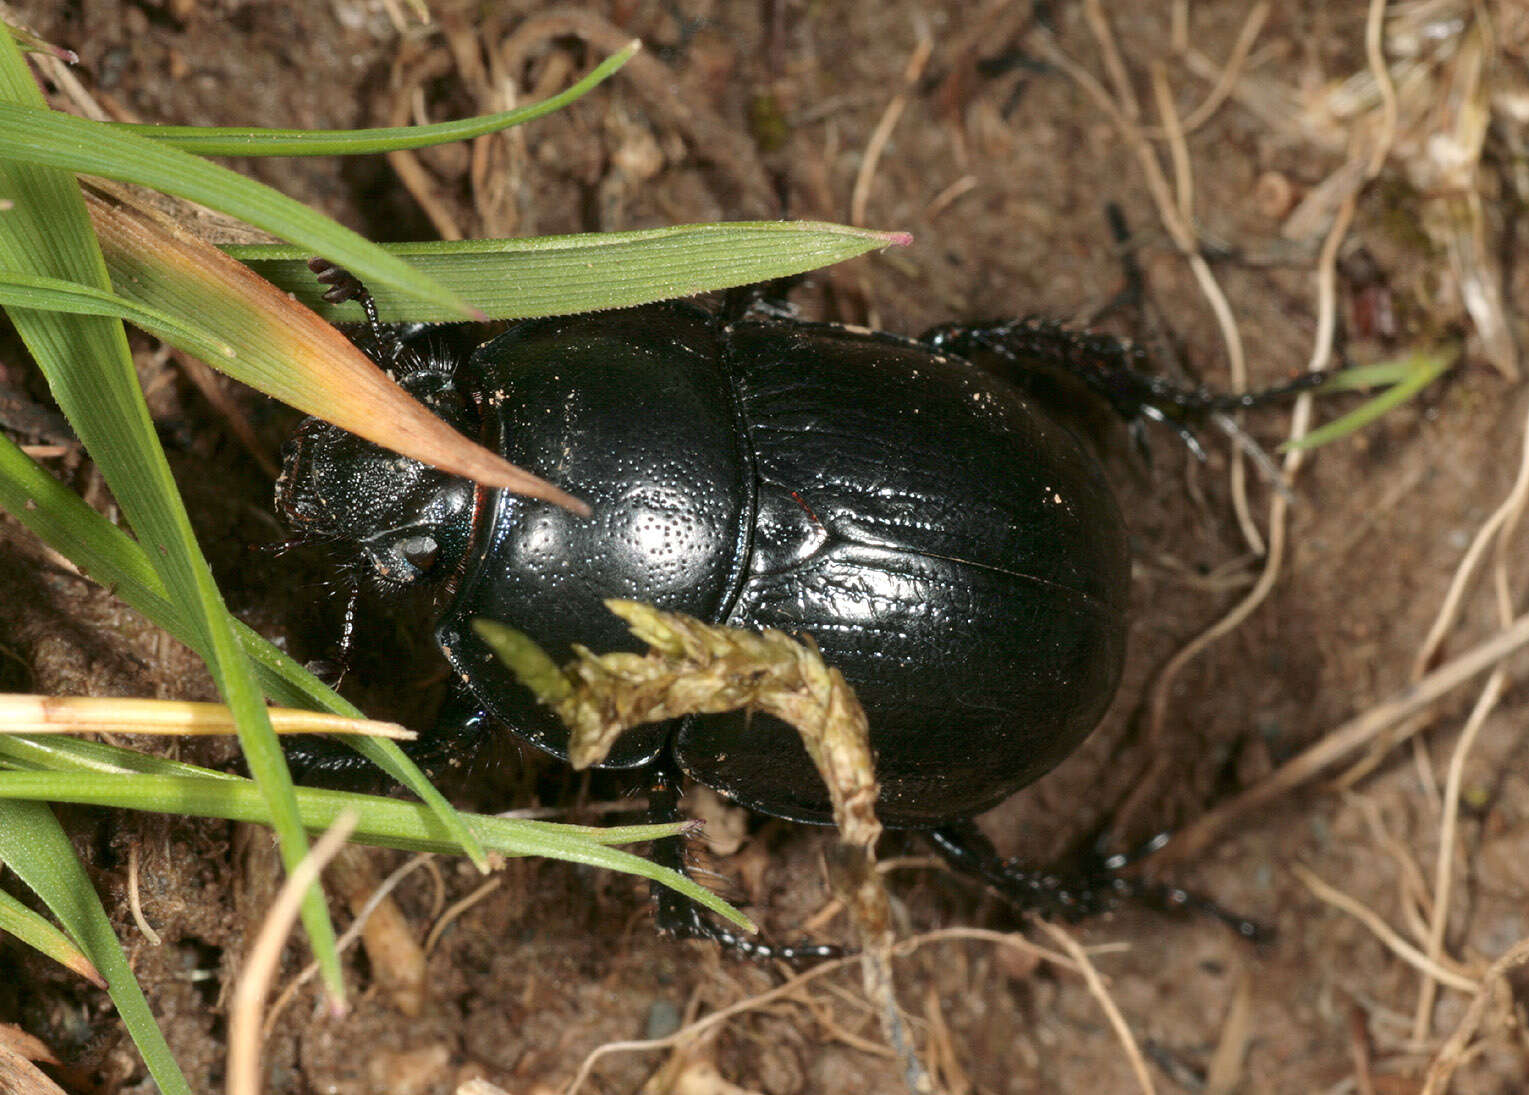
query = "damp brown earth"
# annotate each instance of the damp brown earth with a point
(1000, 135)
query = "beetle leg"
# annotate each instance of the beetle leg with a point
(343, 286)
(1096, 888)
(681, 917)
(454, 741)
(1031, 350)
(759, 299)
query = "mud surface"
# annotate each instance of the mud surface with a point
(1002, 167)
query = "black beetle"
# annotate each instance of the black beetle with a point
(951, 548)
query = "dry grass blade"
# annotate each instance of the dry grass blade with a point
(288, 351)
(19, 1076)
(244, 1035)
(31, 714)
(1228, 1066)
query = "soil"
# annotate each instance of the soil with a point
(1003, 168)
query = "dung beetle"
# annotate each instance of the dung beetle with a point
(952, 549)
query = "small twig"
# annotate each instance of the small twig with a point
(1106, 1002)
(1502, 519)
(133, 902)
(1099, 24)
(1225, 1074)
(1375, 54)
(1453, 1052)
(1444, 867)
(948, 197)
(1178, 150)
(1226, 80)
(883, 131)
(942, 1049)
(1346, 738)
(456, 909)
(1384, 932)
(1359, 1045)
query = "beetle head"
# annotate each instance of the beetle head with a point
(405, 519)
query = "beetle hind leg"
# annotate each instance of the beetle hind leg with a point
(1049, 360)
(682, 918)
(1097, 887)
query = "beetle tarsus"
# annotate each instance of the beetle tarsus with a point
(682, 918)
(1096, 888)
(343, 286)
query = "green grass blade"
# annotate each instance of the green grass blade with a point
(62, 753)
(1412, 373)
(47, 233)
(384, 822)
(31, 134)
(26, 926)
(34, 846)
(62, 520)
(563, 275)
(53, 295)
(262, 141)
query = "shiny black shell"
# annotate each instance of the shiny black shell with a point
(957, 554)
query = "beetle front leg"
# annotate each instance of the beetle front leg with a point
(1095, 889)
(681, 917)
(457, 738)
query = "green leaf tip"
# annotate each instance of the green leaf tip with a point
(530, 663)
(1407, 375)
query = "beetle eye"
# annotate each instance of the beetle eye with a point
(421, 552)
